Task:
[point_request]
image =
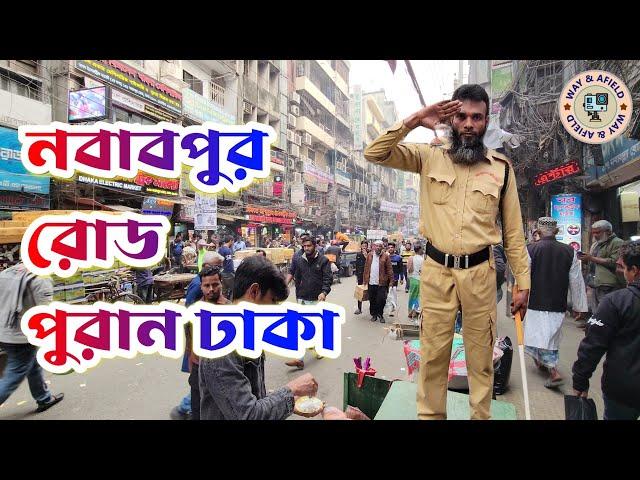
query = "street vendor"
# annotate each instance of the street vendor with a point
(464, 187)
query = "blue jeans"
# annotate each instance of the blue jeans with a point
(616, 411)
(21, 363)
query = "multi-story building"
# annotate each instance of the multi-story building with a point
(324, 128)
(25, 98)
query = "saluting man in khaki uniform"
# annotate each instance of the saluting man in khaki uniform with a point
(461, 189)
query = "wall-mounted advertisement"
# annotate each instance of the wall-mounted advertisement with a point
(566, 209)
(88, 104)
(206, 211)
(13, 176)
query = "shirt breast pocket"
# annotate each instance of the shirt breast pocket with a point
(484, 197)
(440, 188)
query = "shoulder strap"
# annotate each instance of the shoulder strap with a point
(504, 184)
(502, 192)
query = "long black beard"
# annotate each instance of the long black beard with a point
(467, 151)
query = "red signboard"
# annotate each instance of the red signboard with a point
(266, 219)
(557, 173)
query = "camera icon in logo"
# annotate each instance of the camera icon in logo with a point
(595, 103)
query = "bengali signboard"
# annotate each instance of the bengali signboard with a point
(566, 209)
(13, 176)
(268, 215)
(142, 183)
(157, 206)
(129, 79)
(316, 178)
(357, 117)
(202, 110)
(390, 207)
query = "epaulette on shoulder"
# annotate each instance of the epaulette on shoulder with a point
(499, 156)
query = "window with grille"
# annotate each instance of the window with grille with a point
(21, 85)
(194, 83)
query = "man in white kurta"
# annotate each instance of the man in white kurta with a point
(555, 269)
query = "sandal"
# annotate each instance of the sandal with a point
(554, 383)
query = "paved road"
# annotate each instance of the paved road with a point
(148, 386)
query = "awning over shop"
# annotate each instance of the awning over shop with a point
(229, 218)
(121, 208)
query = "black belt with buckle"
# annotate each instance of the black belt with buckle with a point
(459, 262)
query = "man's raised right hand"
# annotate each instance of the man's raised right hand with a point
(431, 115)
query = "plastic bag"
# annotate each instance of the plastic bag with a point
(579, 408)
(502, 372)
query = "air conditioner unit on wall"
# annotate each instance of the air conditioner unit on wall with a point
(290, 136)
(292, 163)
(307, 139)
(295, 97)
(294, 150)
(298, 139)
(292, 120)
(295, 110)
(297, 178)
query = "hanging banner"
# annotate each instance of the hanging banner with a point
(566, 209)
(297, 194)
(206, 212)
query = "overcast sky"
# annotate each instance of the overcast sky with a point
(435, 78)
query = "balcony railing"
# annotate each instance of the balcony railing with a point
(217, 94)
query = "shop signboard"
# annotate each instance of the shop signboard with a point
(157, 206)
(13, 176)
(131, 80)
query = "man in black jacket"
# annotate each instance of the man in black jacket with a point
(615, 329)
(313, 279)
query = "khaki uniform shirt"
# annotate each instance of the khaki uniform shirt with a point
(459, 204)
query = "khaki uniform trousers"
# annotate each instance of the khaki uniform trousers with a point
(442, 291)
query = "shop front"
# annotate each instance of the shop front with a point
(265, 224)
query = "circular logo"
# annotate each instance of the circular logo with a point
(595, 106)
(573, 229)
(575, 246)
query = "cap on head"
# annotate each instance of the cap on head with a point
(547, 222)
(602, 225)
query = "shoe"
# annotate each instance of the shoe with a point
(382, 320)
(52, 401)
(374, 318)
(357, 312)
(299, 364)
(177, 414)
(554, 383)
